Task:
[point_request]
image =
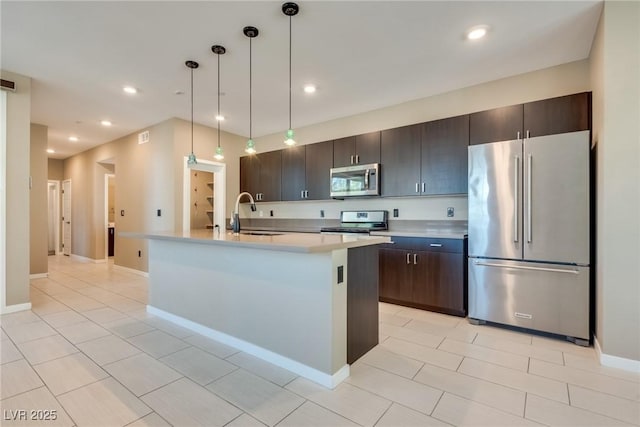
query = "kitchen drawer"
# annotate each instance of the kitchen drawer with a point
(426, 244)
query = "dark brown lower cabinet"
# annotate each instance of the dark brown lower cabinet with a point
(362, 301)
(425, 273)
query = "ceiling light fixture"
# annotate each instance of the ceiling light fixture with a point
(130, 90)
(73, 138)
(290, 9)
(218, 50)
(106, 123)
(477, 32)
(309, 88)
(50, 150)
(250, 32)
(192, 65)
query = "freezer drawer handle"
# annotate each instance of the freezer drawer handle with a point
(522, 267)
(435, 245)
(515, 199)
(523, 315)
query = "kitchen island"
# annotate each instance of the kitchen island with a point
(284, 298)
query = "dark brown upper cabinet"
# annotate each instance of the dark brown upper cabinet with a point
(499, 124)
(444, 156)
(360, 149)
(400, 151)
(563, 114)
(319, 159)
(261, 174)
(305, 171)
(293, 172)
(551, 116)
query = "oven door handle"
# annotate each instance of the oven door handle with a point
(366, 179)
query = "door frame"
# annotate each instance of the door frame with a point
(219, 171)
(106, 214)
(65, 250)
(56, 213)
(3, 199)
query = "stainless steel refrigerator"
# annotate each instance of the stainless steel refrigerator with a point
(529, 223)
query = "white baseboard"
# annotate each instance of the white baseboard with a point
(322, 378)
(131, 270)
(38, 276)
(15, 307)
(616, 361)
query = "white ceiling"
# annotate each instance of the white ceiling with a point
(361, 55)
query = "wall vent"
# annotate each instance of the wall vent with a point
(7, 85)
(143, 137)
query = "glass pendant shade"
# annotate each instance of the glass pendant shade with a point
(219, 154)
(191, 160)
(288, 138)
(251, 147)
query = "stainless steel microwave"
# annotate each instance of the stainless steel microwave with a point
(357, 180)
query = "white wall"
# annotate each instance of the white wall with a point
(17, 190)
(615, 74)
(547, 83)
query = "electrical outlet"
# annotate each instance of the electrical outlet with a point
(396, 214)
(122, 212)
(321, 213)
(260, 214)
(450, 212)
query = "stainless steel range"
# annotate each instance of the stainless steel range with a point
(360, 222)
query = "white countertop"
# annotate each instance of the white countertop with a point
(287, 242)
(431, 234)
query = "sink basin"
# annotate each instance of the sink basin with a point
(260, 233)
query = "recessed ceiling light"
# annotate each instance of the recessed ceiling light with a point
(220, 118)
(309, 88)
(50, 151)
(105, 123)
(73, 138)
(477, 32)
(130, 90)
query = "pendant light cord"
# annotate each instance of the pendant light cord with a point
(219, 121)
(192, 110)
(289, 72)
(250, 91)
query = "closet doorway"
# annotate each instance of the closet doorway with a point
(53, 217)
(204, 195)
(110, 215)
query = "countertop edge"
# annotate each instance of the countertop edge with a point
(423, 234)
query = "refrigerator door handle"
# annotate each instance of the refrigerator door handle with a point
(529, 178)
(523, 267)
(516, 176)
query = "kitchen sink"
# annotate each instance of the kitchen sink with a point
(261, 233)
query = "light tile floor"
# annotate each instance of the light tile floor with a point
(89, 351)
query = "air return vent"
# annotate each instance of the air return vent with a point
(7, 85)
(143, 137)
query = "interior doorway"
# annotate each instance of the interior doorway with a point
(204, 195)
(66, 217)
(53, 217)
(110, 215)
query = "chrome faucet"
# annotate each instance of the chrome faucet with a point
(235, 221)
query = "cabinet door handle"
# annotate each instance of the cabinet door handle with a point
(415, 259)
(528, 135)
(408, 258)
(417, 187)
(423, 187)
(302, 194)
(518, 135)
(306, 194)
(352, 159)
(357, 159)
(435, 245)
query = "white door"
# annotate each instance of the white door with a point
(66, 217)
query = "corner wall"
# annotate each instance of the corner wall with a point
(615, 71)
(17, 190)
(38, 212)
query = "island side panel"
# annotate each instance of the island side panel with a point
(287, 303)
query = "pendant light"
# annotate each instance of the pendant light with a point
(192, 157)
(250, 32)
(290, 9)
(218, 50)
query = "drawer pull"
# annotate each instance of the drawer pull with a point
(408, 258)
(435, 245)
